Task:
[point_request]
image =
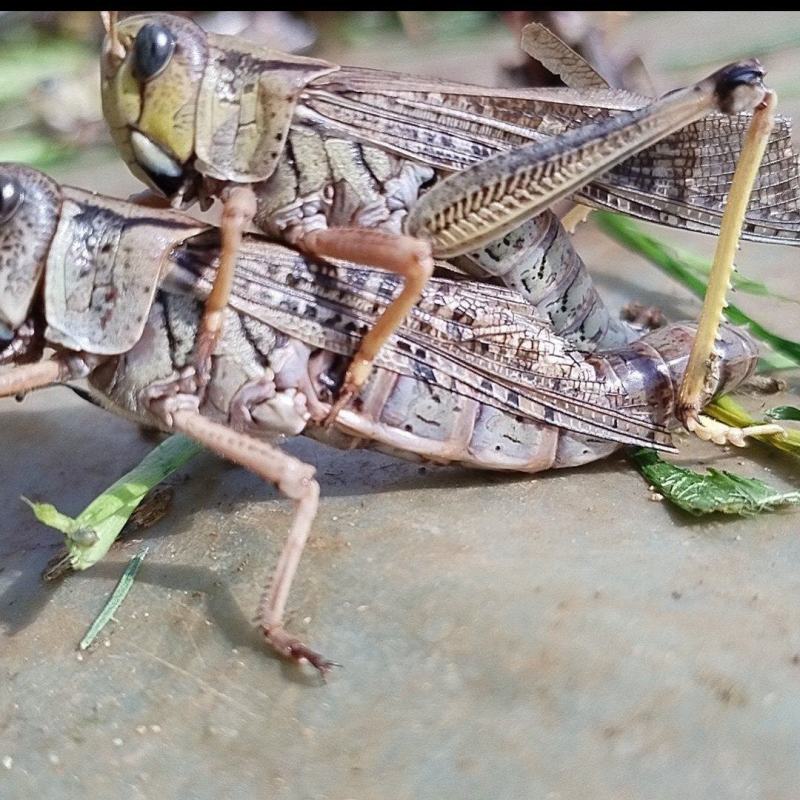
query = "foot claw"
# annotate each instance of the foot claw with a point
(709, 429)
(292, 648)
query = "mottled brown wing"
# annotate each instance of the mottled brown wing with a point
(451, 339)
(681, 181)
(448, 125)
(558, 57)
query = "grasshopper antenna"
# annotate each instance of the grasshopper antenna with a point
(113, 47)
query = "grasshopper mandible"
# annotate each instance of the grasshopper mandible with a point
(315, 153)
(472, 377)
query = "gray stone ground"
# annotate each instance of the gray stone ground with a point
(502, 637)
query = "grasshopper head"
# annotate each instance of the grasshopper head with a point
(30, 204)
(152, 68)
(183, 105)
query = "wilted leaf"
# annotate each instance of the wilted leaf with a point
(727, 410)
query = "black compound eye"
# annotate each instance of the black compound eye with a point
(152, 50)
(10, 197)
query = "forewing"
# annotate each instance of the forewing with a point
(555, 55)
(681, 181)
(454, 338)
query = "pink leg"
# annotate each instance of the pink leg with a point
(404, 255)
(32, 376)
(237, 214)
(292, 477)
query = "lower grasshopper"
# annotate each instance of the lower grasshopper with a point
(472, 377)
(313, 153)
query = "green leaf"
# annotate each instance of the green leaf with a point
(629, 234)
(49, 515)
(784, 412)
(716, 492)
(90, 535)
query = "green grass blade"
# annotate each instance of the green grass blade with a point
(115, 601)
(630, 235)
(701, 267)
(784, 412)
(90, 535)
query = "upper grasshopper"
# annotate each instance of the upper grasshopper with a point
(313, 153)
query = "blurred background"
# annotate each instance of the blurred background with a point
(49, 97)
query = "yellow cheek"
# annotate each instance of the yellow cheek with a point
(163, 122)
(121, 107)
(168, 116)
(122, 101)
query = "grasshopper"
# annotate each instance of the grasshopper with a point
(313, 153)
(114, 293)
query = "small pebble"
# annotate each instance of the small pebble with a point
(141, 729)
(155, 728)
(117, 742)
(8, 762)
(53, 759)
(656, 497)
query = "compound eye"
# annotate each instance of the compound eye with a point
(10, 198)
(152, 50)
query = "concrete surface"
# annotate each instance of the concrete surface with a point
(502, 637)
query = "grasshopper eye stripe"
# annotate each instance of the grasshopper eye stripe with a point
(10, 198)
(152, 51)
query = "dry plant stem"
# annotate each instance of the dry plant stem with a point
(237, 214)
(31, 376)
(403, 255)
(691, 391)
(294, 479)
